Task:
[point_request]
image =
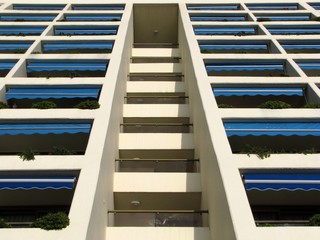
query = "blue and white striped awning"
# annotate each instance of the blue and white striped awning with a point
(309, 65)
(85, 30)
(38, 6)
(315, 5)
(295, 30)
(27, 17)
(282, 181)
(93, 17)
(303, 45)
(272, 128)
(66, 65)
(7, 64)
(43, 128)
(284, 17)
(98, 6)
(77, 45)
(243, 66)
(217, 17)
(42, 183)
(273, 6)
(252, 91)
(52, 92)
(11, 46)
(21, 30)
(213, 6)
(233, 46)
(232, 30)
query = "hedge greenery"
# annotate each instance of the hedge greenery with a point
(52, 221)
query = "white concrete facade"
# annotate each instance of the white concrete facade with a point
(214, 187)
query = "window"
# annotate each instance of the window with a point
(92, 17)
(27, 17)
(85, 30)
(225, 30)
(21, 30)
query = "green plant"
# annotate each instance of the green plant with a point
(312, 105)
(316, 19)
(314, 220)
(266, 225)
(58, 150)
(44, 105)
(88, 104)
(52, 221)
(274, 105)
(261, 151)
(263, 19)
(27, 155)
(3, 105)
(4, 224)
(223, 105)
(309, 151)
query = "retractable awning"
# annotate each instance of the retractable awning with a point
(38, 6)
(315, 5)
(213, 7)
(27, 17)
(250, 91)
(272, 128)
(273, 6)
(305, 29)
(21, 30)
(43, 128)
(301, 45)
(76, 45)
(98, 7)
(282, 181)
(224, 30)
(92, 17)
(7, 65)
(309, 65)
(217, 18)
(233, 45)
(243, 66)
(14, 46)
(37, 183)
(86, 30)
(284, 17)
(52, 92)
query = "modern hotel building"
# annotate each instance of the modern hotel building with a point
(208, 126)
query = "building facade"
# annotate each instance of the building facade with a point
(160, 119)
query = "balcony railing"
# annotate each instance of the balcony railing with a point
(160, 218)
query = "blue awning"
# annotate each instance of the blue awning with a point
(233, 45)
(52, 92)
(43, 128)
(273, 6)
(66, 65)
(27, 17)
(98, 7)
(272, 128)
(76, 45)
(85, 30)
(285, 17)
(251, 91)
(213, 6)
(233, 30)
(315, 5)
(217, 18)
(14, 46)
(282, 181)
(309, 65)
(244, 66)
(38, 6)
(7, 65)
(21, 30)
(300, 46)
(93, 17)
(305, 29)
(42, 183)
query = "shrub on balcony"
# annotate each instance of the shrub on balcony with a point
(261, 151)
(4, 224)
(314, 220)
(312, 105)
(3, 105)
(223, 105)
(44, 105)
(52, 221)
(274, 105)
(27, 155)
(57, 150)
(88, 104)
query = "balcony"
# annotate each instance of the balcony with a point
(282, 197)
(73, 47)
(21, 30)
(300, 46)
(66, 96)
(44, 137)
(213, 7)
(227, 30)
(97, 7)
(28, 195)
(273, 136)
(258, 68)
(38, 7)
(85, 30)
(14, 46)
(27, 17)
(107, 17)
(66, 68)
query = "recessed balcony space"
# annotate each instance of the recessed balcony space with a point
(227, 30)
(19, 47)
(294, 29)
(286, 136)
(106, 17)
(262, 17)
(69, 68)
(74, 47)
(284, 197)
(85, 30)
(28, 195)
(27, 17)
(50, 137)
(213, 7)
(63, 96)
(156, 98)
(155, 60)
(310, 67)
(156, 154)
(38, 7)
(239, 46)
(156, 77)
(273, 6)
(241, 68)
(156, 125)
(157, 165)
(97, 7)
(21, 31)
(215, 17)
(256, 97)
(6, 66)
(301, 46)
